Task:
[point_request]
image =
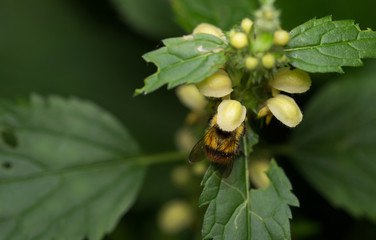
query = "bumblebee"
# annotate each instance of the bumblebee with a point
(219, 146)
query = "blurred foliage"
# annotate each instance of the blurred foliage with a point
(83, 48)
(335, 146)
(222, 13)
(47, 174)
(151, 18)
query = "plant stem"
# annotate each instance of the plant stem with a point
(161, 158)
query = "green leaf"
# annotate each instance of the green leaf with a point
(236, 212)
(221, 13)
(68, 173)
(334, 147)
(323, 45)
(188, 59)
(150, 17)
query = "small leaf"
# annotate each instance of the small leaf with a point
(221, 13)
(334, 147)
(188, 59)
(323, 45)
(236, 212)
(68, 175)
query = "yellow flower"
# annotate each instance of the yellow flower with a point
(257, 172)
(175, 216)
(285, 109)
(230, 114)
(191, 97)
(291, 81)
(217, 85)
(209, 29)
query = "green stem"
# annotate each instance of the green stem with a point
(161, 158)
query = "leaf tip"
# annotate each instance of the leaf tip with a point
(139, 91)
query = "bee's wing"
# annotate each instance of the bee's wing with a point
(224, 169)
(198, 151)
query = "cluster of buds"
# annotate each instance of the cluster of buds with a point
(231, 113)
(260, 52)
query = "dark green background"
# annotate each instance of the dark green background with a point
(86, 49)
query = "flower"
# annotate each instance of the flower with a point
(230, 114)
(209, 29)
(175, 216)
(291, 81)
(217, 85)
(190, 96)
(257, 169)
(284, 108)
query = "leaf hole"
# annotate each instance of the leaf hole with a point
(9, 137)
(7, 165)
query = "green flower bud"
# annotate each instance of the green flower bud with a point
(281, 37)
(251, 63)
(285, 109)
(291, 81)
(217, 85)
(230, 114)
(209, 29)
(268, 60)
(239, 40)
(246, 25)
(190, 96)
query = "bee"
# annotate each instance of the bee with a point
(219, 146)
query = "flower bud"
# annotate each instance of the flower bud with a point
(180, 175)
(217, 85)
(268, 60)
(246, 25)
(291, 81)
(239, 40)
(263, 112)
(251, 63)
(199, 168)
(230, 114)
(209, 29)
(191, 97)
(281, 37)
(257, 173)
(285, 109)
(175, 216)
(185, 139)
